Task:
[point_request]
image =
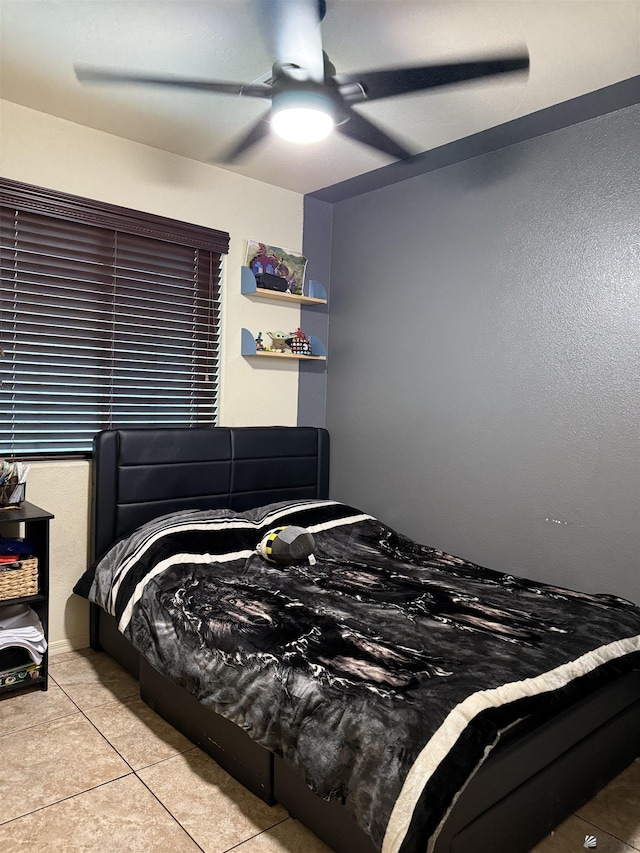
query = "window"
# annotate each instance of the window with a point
(110, 319)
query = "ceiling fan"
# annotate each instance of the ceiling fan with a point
(308, 98)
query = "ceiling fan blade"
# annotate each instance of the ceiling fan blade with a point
(362, 130)
(88, 74)
(297, 40)
(255, 134)
(372, 85)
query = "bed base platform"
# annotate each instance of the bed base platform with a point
(531, 781)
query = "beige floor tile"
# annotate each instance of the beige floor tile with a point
(36, 706)
(71, 654)
(616, 808)
(215, 810)
(138, 733)
(290, 836)
(92, 678)
(119, 817)
(51, 761)
(571, 835)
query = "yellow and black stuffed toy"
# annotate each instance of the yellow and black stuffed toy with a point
(287, 545)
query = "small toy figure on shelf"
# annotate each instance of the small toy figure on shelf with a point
(279, 341)
(259, 343)
(299, 343)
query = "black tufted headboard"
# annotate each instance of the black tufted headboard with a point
(139, 474)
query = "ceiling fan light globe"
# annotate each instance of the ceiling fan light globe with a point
(302, 124)
(302, 117)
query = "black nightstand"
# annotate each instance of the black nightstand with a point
(36, 531)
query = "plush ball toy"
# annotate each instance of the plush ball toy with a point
(287, 545)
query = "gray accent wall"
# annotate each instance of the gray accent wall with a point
(314, 320)
(482, 392)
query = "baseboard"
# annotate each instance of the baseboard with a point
(58, 647)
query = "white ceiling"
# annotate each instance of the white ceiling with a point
(575, 46)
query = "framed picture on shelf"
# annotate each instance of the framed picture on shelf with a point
(274, 260)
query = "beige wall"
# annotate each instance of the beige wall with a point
(57, 154)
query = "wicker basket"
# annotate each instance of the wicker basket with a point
(19, 579)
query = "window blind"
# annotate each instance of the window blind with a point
(102, 327)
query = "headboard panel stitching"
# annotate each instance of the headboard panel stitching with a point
(237, 475)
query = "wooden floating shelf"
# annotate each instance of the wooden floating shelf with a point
(249, 349)
(263, 354)
(260, 293)
(315, 295)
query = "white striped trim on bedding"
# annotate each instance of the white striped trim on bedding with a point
(211, 559)
(462, 715)
(180, 526)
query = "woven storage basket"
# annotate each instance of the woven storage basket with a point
(19, 581)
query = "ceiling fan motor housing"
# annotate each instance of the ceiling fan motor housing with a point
(304, 94)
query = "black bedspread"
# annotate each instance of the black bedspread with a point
(384, 673)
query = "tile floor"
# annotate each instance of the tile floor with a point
(87, 766)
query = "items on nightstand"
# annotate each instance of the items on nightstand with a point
(20, 674)
(13, 479)
(20, 626)
(18, 569)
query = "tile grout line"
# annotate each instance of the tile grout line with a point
(135, 773)
(132, 772)
(64, 799)
(71, 699)
(41, 723)
(85, 790)
(599, 828)
(117, 699)
(121, 700)
(262, 832)
(171, 815)
(193, 748)
(61, 717)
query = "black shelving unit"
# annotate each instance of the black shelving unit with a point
(36, 531)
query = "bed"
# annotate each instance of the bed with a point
(494, 769)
